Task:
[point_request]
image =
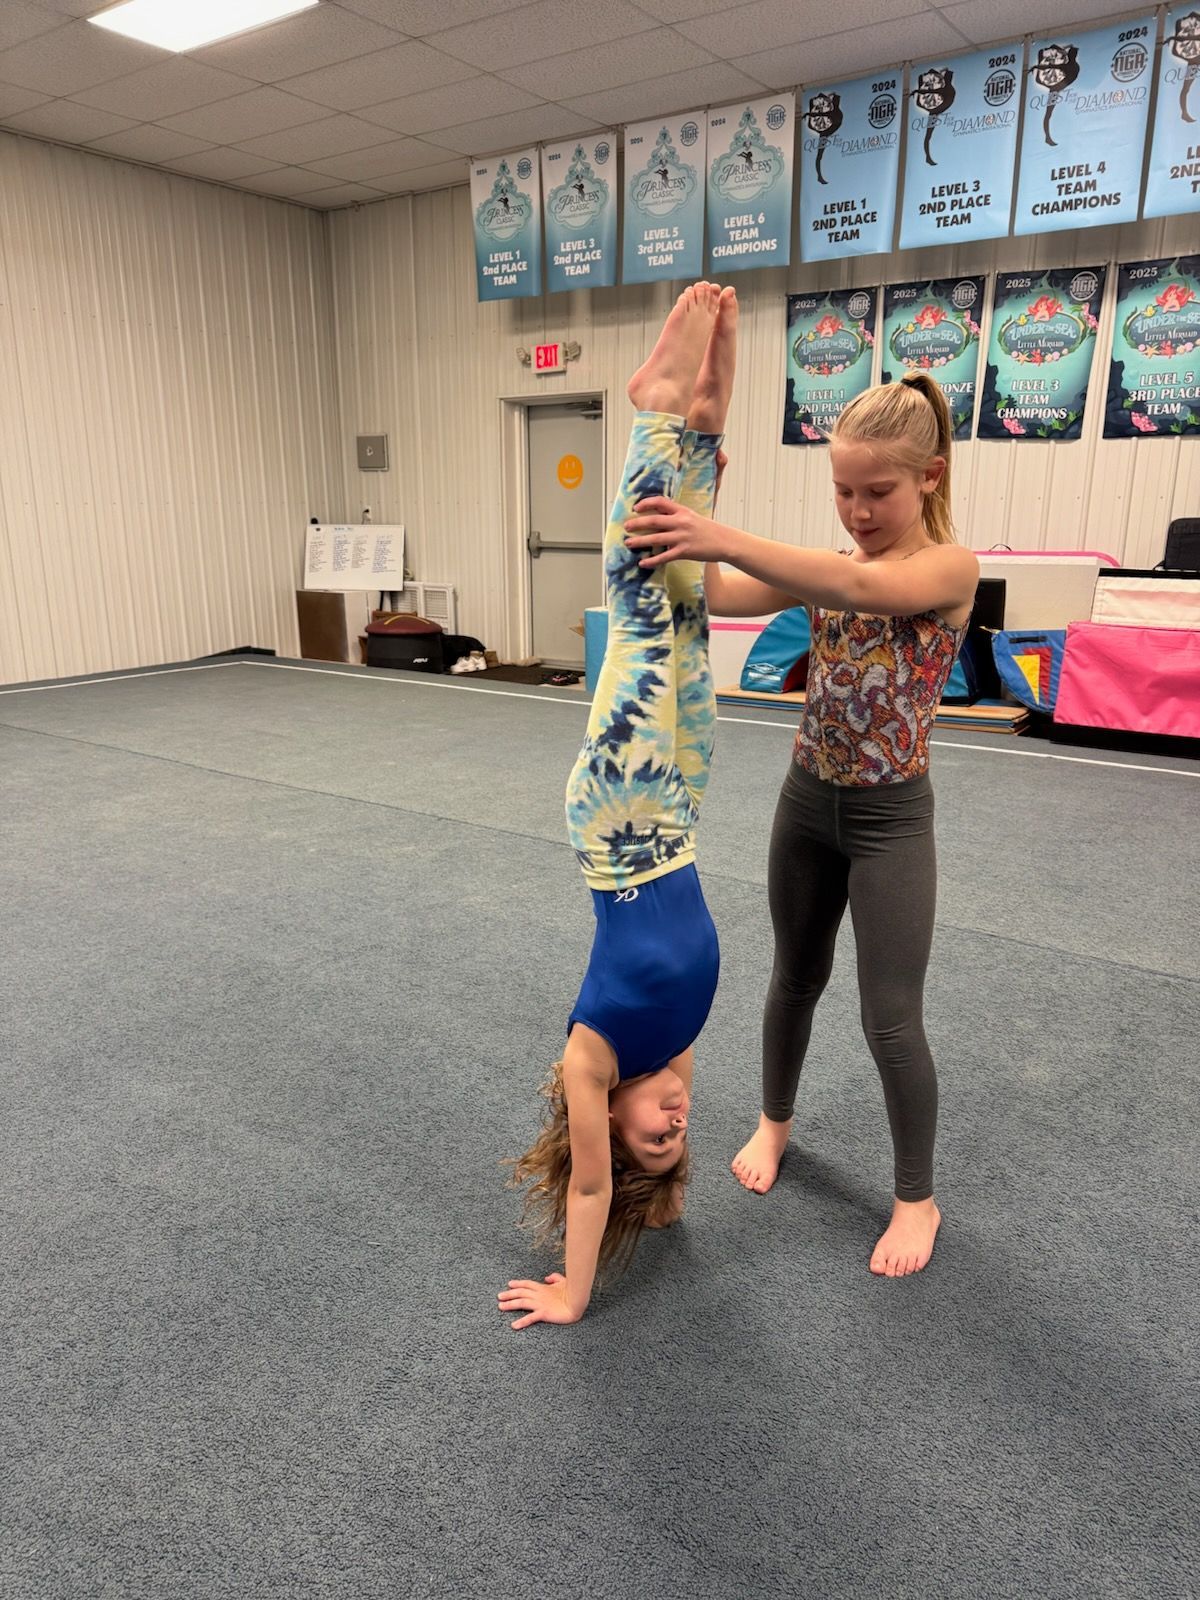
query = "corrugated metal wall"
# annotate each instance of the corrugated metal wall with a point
(420, 360)
(167, 413)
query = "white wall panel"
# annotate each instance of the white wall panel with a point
(419, 359)
(167, 416)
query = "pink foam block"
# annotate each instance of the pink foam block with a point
(1137, 680)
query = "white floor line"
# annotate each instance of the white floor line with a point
(118, 677)
(554, 700)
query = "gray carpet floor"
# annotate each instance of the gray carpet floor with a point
(287, 953)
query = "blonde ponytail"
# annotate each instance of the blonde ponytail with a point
(912, 419)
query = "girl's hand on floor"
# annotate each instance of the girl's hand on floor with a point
(687, 535)
(545, 1302)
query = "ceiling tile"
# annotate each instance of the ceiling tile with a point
(246, 116)
(341, 194)
(364, 166)
(428, 16)
(441, 175)
(620, 62)
(223, 165)
(774, 24)
(287, 182)
(312, 39)
(147, 143)
(540, 30)
(19, 22)
(70, 8)
(74, 57)
(442, 108)
(383, 75)
(507, 133)
(842, 55)
(981, 21)
(330, 137)
(74, 124)
(679, 91)
(164, 89)
(681, 10)
(13, 101)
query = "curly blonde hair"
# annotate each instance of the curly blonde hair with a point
(640, 1199)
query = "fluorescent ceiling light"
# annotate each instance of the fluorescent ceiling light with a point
(186, 24)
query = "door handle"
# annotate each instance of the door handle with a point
(536, 544)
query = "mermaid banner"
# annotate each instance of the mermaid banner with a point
(1040, 354)
(506, 202)
(1085, 128)
(962, 147)
(934, 327)
(1154, 379)
(664, 199)
(579, 181)
(750, 184)
(849, 166)
(830, 343)
(1174, 181)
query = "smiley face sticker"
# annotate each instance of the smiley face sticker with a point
(570, 472)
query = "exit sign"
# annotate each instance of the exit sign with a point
(548, 358)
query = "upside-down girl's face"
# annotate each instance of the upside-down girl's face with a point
(878, 500)
(651, 1115)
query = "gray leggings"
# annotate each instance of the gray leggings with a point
(873, 847)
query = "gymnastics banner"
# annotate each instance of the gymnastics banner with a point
(1154, 380)
(750, 184)
(934, 327)
(831, 340)
(664, 199)
(579, 180)
(1174, 181)
(962, 148)
(1085, 128)
(849, 165)
(1040, 353)
(506, 200)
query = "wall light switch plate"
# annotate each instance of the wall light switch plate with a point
(372, 452)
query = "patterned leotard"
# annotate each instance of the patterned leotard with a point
(873, 686)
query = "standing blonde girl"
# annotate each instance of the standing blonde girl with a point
(854, 823)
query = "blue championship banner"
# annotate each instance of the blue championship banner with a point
(849, 167)
(750, 184)
(962, 148)
(934, 327)
(1040, 353)
(1087, 98)
(1154, 380)
(579, 184)
(1174, 182)
(830, 343)
(506, 205)
(664, 199)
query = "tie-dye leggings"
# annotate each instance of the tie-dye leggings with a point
(635, 791)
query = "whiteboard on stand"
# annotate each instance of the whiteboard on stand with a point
(354, 555)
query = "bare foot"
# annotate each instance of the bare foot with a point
(666, 380)
(714, 387)
(908, 1243)
(756, 1164)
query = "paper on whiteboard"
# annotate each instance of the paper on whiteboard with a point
(354, 555)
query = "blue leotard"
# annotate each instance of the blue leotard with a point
(653, 970)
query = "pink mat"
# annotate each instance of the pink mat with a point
(1137, 680)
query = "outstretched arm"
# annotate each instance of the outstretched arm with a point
(941, 577)
(733, 594)
(562, 1298)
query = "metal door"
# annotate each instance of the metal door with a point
(566, 525)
